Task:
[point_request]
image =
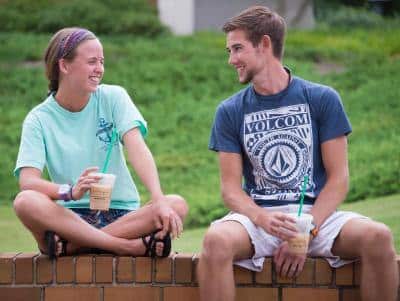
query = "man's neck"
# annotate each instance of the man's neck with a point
(272, 79)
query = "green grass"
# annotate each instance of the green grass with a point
(14, 237)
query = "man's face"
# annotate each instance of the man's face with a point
(243, 55)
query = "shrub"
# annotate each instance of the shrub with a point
(335, 15)
(101, 16)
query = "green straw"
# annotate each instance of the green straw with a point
(303, 190)
(110, 146)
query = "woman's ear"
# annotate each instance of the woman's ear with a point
(62, 66)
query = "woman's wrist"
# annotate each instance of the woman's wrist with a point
(155, 197)
(71, 192)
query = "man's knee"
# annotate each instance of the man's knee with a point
(217, 246)
(378, 242)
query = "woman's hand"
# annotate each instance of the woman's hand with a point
(84, 182)
(167, 219)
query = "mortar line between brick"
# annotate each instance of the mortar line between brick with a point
(273, 276)
(153, 271)
(14, 269)
(173, 280)
(133, 269)
(193, 269)
(314, 272)
(93, 269)
(42, 293)
(34, 269)
(334, 278)
(114, 269)
(74, 269)
(54, 271)
(102, 293)
(171, 265)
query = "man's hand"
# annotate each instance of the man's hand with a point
(277, 224)
(84, 182)
(288, 264)
(167, 219)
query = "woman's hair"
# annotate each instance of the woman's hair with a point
(63, 45)
(257, 21)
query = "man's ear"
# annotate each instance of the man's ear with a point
(266, 42)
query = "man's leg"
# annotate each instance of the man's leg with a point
(372, 242)
(223, 243)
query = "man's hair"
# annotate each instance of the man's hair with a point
(257, 21)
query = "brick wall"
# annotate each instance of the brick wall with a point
(33, 277)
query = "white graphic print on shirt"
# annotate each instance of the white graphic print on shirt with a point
(279, 145)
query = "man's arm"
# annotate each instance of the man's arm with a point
(238, 201)
(334, 157)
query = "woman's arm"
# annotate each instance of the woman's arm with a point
(143, 162)
(30, 178)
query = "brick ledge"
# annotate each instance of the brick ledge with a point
(31, 276)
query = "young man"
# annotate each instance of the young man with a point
(274, 133)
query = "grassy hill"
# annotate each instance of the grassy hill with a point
(177, 83)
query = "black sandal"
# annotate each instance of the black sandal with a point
(51, 244)
(151, 245)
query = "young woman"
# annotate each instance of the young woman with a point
(69, 133)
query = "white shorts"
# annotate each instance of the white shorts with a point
(265, 244)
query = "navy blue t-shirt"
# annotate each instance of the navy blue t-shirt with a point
(279, 138)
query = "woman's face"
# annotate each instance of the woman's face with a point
(85, 71)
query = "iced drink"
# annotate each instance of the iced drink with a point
(299, 244)
(100, 193)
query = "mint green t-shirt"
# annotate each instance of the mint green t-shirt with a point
(67, 143)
